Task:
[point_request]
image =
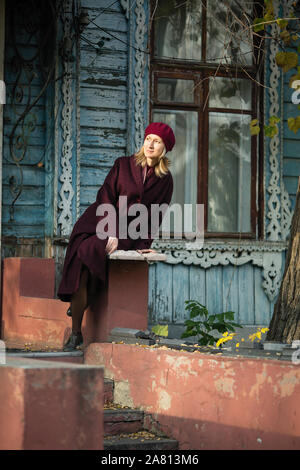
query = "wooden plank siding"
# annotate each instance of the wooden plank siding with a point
(219, 288)
(29, 207)
(103, 96)
(291, 142)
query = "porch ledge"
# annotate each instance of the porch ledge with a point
(132, 255)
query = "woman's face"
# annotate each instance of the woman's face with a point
(153, 146)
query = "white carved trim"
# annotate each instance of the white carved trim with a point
(66, 193)
(266, 255)
(137, 71)
(286, 216)
(286, 212)
(279, 204)
(273, 229)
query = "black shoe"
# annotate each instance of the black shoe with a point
(69, 312)
(75, 341)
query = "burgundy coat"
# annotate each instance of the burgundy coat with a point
(85, 248)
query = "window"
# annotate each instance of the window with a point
(203, 63)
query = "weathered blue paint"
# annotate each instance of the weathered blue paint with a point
(291, 142)
(49, 162)
(220, 289)
(103, 96)
(28, 218)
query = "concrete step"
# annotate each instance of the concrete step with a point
(123, 420)
(75, 357)
(108, 391)
(141, 440)
(125, 429)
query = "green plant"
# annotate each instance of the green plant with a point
(201, 323)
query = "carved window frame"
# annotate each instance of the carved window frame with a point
(200, 72)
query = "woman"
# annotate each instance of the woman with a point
(145, 179)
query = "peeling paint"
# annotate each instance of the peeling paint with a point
(288, 384)
(225, 386)
(122, 394)
(182, 366)
(260, 380)
(164, 400)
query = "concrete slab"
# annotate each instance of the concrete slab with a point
(47, 405)
(132, 255)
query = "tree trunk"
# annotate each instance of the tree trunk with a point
(285, 324)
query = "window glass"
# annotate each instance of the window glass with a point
(178, 26)
(219, 144)
(230, 93)
(183, 158)
(229, 31)
(175, 90)
(229, 174)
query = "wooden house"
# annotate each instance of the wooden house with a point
(84, 78)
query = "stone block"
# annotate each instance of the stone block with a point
(274, 346)
(48, 405)
(122, 304)
(128, 332)
(250, 345)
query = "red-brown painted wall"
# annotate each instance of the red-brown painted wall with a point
(50, 405)
(207, 401)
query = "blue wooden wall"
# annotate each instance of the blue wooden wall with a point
(28, 210)
(291, 142)
(103, 95)
(219, 288)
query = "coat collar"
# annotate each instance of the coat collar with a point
(137, 171)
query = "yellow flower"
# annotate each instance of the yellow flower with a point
(226, 337)
(257, 335)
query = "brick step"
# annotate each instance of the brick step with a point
(126, 429)
(122, 421)
(141, 440)
(108, 390)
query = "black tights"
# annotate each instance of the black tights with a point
(86, 296)
(79, 301)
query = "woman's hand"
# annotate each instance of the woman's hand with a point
(112, 245)
(146, 250)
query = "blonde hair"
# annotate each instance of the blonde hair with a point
(162, 166)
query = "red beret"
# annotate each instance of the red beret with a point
(162, 130)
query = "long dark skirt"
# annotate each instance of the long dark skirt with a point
(86, 251)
